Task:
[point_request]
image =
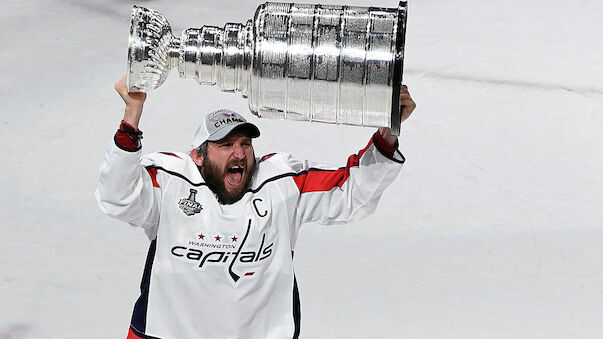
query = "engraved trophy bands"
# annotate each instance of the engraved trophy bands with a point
(334, 64)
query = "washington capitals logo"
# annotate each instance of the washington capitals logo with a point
(229, 115)
(189, 205)
(238, 258)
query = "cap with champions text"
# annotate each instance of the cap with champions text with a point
(219, 124)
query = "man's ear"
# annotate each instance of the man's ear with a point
(197, 158)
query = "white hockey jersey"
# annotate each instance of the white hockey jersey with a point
(226, 271)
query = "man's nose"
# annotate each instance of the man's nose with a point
(238, 152)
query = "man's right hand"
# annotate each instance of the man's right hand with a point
(134, 102)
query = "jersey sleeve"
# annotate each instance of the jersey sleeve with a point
(129, 191)
(337, 195)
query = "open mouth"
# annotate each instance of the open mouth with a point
(234, 176)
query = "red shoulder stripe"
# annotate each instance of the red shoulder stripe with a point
(153, 174)
(321, 180)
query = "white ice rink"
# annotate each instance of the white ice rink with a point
(493, 230)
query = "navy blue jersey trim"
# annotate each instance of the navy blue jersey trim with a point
(280, 176)
(176, 174)
(296, 310)
(296, 307)
(139, 315)
(171, 154)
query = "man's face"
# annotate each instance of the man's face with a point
(228, 167)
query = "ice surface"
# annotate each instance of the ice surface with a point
(494, 230)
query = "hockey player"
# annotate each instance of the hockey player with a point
(223, 224)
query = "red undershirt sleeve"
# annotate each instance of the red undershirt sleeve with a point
(128, 137)
(383, 146)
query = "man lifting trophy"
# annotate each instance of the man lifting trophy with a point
(221, 220)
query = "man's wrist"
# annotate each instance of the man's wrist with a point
(132, 114)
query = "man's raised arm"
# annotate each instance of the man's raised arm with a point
(125, 189)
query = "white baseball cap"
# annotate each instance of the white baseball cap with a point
(218, 124)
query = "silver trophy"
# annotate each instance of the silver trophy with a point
(333, 64)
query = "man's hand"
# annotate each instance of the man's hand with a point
(407, 105)
(134, 102)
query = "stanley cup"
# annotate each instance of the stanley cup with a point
(333, 64)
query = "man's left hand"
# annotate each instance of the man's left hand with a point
(407, 105)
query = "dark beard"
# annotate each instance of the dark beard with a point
(214, 179)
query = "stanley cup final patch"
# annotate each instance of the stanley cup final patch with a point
(188, 205)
